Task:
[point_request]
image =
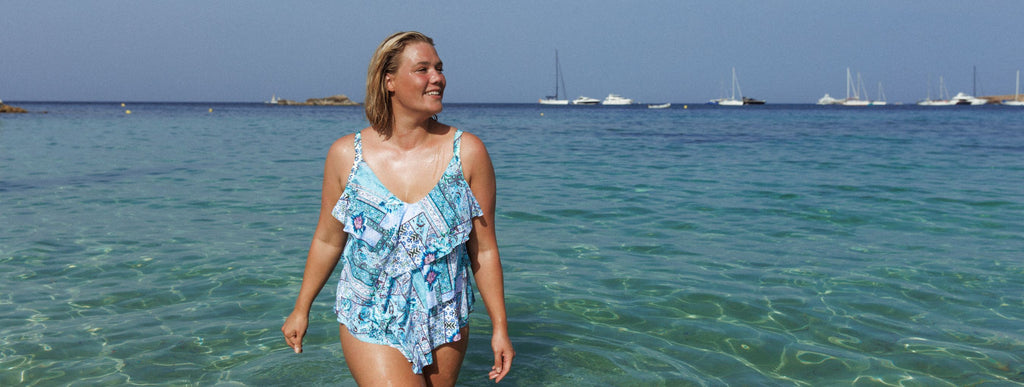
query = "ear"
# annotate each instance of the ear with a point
(389, 83)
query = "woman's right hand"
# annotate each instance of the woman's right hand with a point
(294, 329)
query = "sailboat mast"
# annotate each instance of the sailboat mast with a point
(557, 75)
(734, 83)
(849, 80)
(561, 77)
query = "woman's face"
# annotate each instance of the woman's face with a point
(417, 86)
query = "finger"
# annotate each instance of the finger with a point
(506, 364)
(496, 368)
(502, 364)
(294, 341)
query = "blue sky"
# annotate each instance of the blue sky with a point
(653, 51)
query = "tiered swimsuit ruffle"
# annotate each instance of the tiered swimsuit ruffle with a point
(405, 276)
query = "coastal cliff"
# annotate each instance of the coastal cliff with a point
(334, 100)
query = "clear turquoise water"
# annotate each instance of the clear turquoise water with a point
(776, 245)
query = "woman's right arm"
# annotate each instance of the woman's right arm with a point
(328, 242)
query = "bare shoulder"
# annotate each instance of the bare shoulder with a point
(473, 148)
(475, 159)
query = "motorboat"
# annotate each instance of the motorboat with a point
(962, 98)
(615, 99)
(659, 106)
(828, 100)
(553, 99)
(273, 100)
(581, 100)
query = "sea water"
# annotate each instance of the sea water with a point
(765, 245)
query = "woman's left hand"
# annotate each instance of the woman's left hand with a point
(503, 354)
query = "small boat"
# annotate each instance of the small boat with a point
(659, 106)
(751, 101)
(553, 99)
(1016, 101)
(615, 99)
(273, 100)
(581, 100)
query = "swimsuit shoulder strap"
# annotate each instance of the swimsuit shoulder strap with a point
(457, 145)
(358, 145)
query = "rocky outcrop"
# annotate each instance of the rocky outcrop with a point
(334, 100)
(11, 109)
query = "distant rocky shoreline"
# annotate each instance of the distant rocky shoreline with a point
(11, 109)
(334, 100)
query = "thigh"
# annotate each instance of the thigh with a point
(377, 365)
(444, 371)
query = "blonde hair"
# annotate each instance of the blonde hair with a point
(385, 61)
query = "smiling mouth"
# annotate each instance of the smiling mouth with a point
(436, 92)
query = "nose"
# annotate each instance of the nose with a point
(437, 77)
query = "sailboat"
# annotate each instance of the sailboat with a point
(850, 85)
(553, 99)
(1016, 101)
(731, 101)
(881, 97)
(938, 102)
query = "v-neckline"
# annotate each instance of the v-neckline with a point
(362, 159)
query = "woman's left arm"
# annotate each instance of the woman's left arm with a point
(483, 251)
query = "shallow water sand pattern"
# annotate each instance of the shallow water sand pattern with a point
(788, 245)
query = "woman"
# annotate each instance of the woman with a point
(408, 207)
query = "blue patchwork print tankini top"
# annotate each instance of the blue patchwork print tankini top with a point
(405, 276)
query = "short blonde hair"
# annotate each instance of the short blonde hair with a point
(385, 61)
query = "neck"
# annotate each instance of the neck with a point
(408, 132)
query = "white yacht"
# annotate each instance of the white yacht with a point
(615, 99)
(581, 100)
(962, 98)
(827, 99)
